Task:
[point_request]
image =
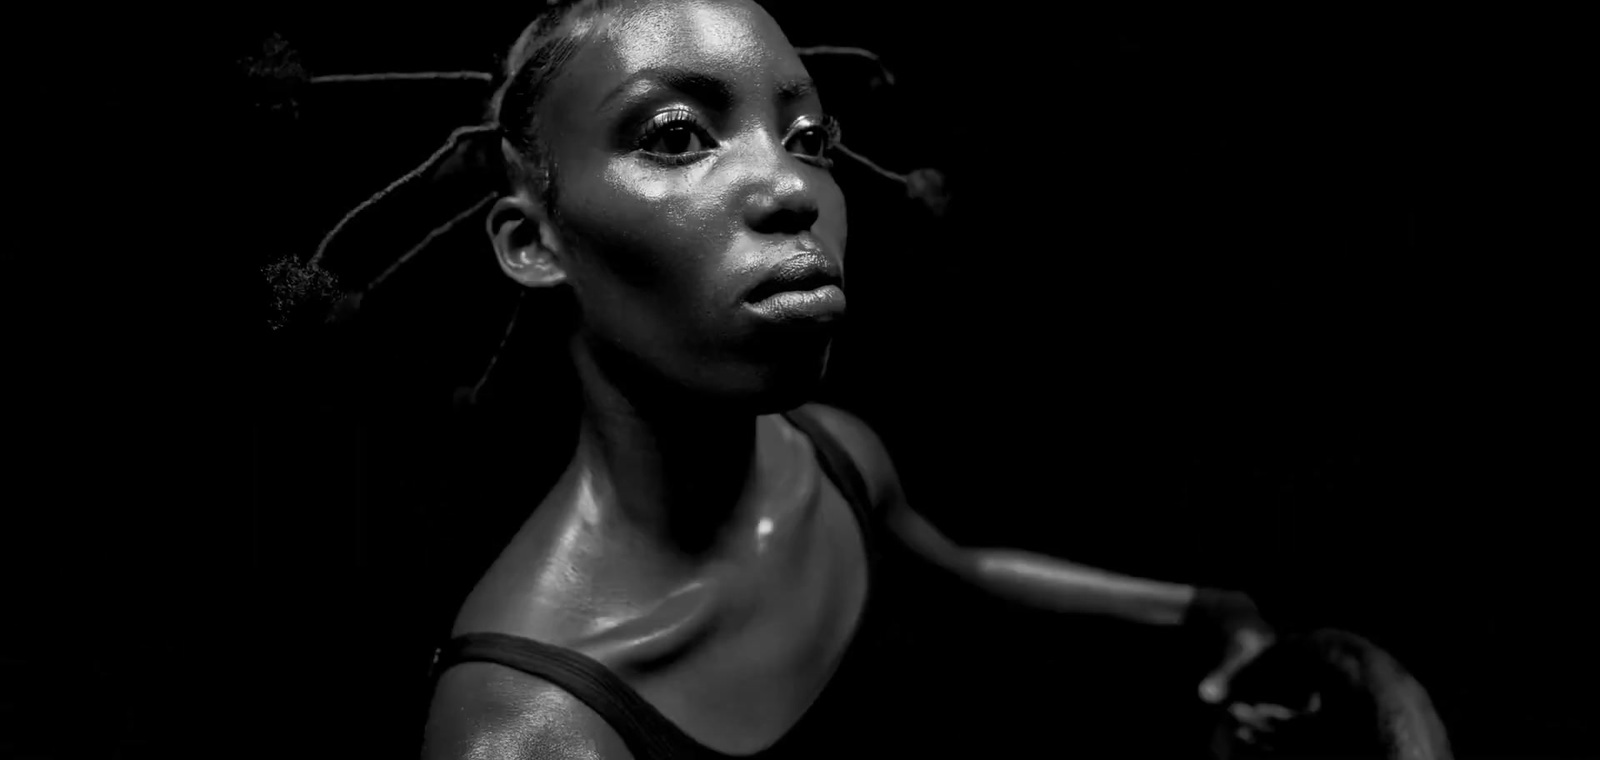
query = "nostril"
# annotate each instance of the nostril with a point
(786, 219)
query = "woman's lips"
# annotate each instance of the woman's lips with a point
(822, 304)
(806, 287)
(807, 270)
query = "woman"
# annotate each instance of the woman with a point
(701, 577)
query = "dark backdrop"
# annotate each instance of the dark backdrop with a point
(1218, 299)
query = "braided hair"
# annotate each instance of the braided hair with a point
(428, 312)
(508, 138)
(480, 162)
(427, 315)
(439, 207)
(538, 55)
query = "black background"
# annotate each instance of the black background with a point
(1262, 301)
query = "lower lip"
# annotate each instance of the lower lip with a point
(821, 305)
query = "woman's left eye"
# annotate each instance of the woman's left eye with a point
(812, 139)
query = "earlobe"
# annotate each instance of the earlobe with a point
(524, 242)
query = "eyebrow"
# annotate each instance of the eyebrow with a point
(712, 91)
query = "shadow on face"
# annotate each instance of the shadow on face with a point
(695, 218)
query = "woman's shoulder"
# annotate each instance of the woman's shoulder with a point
(484, 710)
(866, 449)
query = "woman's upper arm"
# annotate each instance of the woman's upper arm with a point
(904, 523)
(483, 711)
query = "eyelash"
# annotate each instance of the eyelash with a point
(666, 120)
(830, 134)
(660, 123)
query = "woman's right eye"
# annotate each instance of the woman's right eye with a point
(674, 139)
(675, 134)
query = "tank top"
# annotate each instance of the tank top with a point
(837, 724)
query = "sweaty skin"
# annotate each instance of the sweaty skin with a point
(693, 544)
(732, 644)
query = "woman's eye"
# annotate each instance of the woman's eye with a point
(815, 139)
(811, 142)
(674, 139)
(675, 134)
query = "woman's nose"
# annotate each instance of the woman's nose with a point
(782, 201)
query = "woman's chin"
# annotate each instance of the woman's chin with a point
(778, 388)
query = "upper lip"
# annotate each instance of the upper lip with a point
(808, 270)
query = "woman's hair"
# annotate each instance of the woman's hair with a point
(423, 313)
(535, 59)
(424, 209)
(371, 262)
(504, 150)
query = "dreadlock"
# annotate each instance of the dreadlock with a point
(481, 162)
(538, 55)
(507, 144)
(456, 142)
(433, 314)
(509, 135)
(504, 152)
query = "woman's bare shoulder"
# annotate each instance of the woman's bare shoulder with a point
(484, 711)
(865, 448)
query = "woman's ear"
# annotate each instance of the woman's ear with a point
(525, 241)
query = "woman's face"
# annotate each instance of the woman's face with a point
(699, 225)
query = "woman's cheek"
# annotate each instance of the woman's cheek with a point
(622, 231)
(650, 225)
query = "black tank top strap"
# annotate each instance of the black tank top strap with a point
(648, 734)
(840, 468)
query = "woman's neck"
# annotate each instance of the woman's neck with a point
(678, 470)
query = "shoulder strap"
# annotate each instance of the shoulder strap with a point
(838, 465)
(648, 734)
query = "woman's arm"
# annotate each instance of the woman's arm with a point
(1028, 578)
(1053, 584)
(1041, 581)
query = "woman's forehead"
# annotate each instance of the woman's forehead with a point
(736, 42)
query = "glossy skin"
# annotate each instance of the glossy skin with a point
(675, 201)
(693, 544)
(753, 628)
